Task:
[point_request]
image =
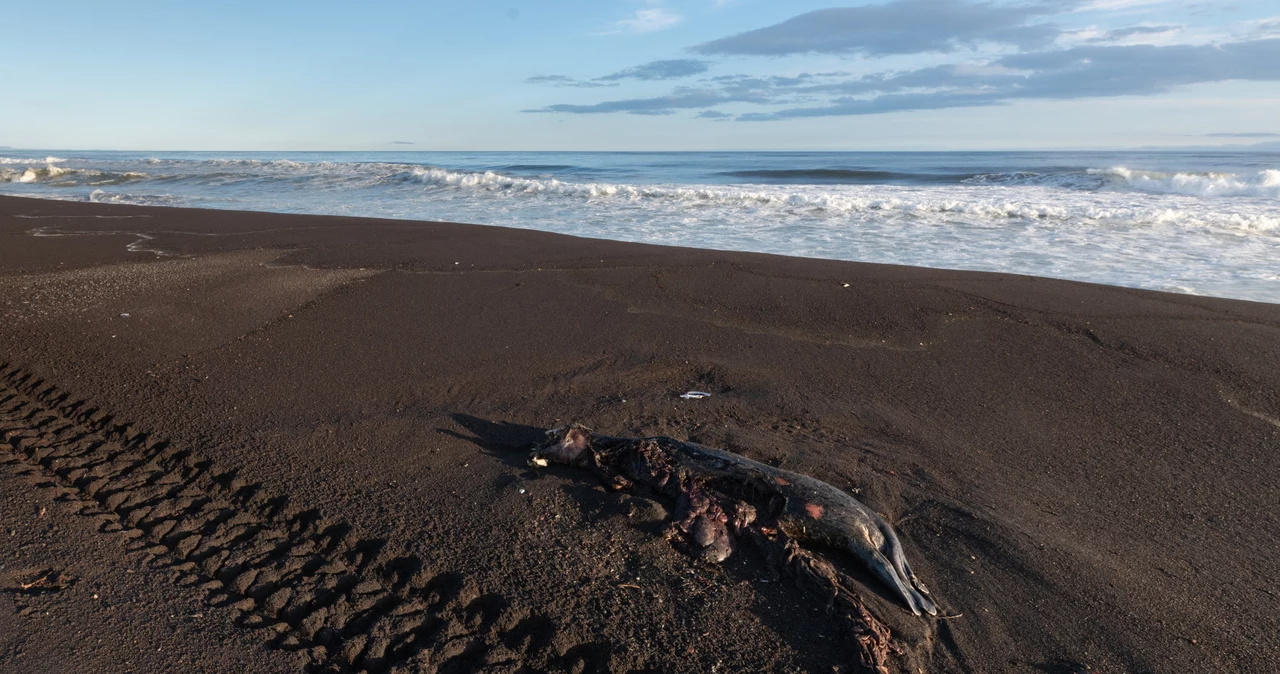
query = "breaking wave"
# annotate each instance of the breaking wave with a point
(60, 176)
(103, 197)
(1264, 184)
(21, 160)
(1195, 231)
(825, 202)
(1084, 196)
(840, 176)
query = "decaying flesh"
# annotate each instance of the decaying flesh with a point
(722, 498)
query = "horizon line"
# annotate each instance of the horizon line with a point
(1239, 147)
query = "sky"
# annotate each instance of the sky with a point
(639, 74)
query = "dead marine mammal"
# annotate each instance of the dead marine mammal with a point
(722, 498)
(720, 495)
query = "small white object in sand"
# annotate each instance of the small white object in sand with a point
(695, 395)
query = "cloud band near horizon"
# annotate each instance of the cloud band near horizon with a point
(1035, 66)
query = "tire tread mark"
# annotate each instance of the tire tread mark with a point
(306, 580)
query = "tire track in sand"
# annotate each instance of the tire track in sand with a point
(304, 580)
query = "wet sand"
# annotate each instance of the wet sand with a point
(245, 442)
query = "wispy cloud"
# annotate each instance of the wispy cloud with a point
(648, 21)
(672, 69)
(1028, 57)
(681, 99)
(660, 70)
(1135, 34)
(897, 27)
(564, 81)
(1080, 72)
(714, 115)
(1255, 134)
(1258, 28)
(1062, 74)
(1113, 5)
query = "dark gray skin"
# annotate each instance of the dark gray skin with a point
(805, 509)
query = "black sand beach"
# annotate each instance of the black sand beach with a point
(246, 442)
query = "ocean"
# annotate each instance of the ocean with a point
(1204, 223)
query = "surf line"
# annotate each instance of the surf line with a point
(136, 246)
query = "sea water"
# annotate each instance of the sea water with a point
(1191, 222)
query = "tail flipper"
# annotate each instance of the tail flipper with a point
(881, 567)
(893, 547)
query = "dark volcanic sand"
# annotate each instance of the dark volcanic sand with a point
(1089, 475)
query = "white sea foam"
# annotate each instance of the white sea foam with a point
(1264, 184)
(989, 204)
(69, 177)
(1203, 232)
(31, 175)
(28, 160)
(104, 197)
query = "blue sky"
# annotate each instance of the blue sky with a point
(639, 75)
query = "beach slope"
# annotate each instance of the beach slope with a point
(261, 442)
